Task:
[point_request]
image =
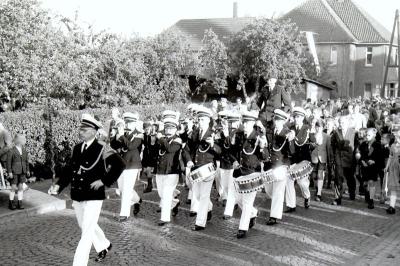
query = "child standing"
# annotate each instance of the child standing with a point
(393, 173)
(18, 170)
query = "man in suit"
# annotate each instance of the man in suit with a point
(18, 170)
(199, 151)
(301, 153)
(129, 141)
(89, 172)
(272, 97)
(344, 141)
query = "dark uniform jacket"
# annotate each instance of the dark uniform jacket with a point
(300, 144)
(199, 151)
(150, 152)
(16, 163)
(229, 149)
(374, 153)
(130, 145)
(250, 154)
(279, 148)
(168, 155)
(87, 167)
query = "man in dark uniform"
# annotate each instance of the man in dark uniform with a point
(89, 172)
(199, 151)
(272, 97)
(301, 153)
(167, 170)
(280, 151)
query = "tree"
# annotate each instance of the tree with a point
(213, 60)
(267, 48)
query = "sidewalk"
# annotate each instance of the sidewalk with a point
(35, 202)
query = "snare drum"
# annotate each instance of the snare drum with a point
(203, 173)
(249, 183)
(275, 175)
(300, 170)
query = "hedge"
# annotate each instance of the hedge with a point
(64, 129)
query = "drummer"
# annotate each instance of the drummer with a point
(200, 151)
(252, 149)
(301, 153)
(278, 138)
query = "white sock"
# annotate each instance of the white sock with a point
(11, 195)
(393, 198)
(320, 184)
(371, 192)
(20, 195)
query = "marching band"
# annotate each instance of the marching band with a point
(236, 150)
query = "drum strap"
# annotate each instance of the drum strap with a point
(255, 147)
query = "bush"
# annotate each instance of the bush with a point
(34, 124)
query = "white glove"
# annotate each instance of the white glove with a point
(53, 190)
(190, 164)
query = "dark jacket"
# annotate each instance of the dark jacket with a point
(250, 155)
(85, 168)
(130, 146)
(374, 153)
(168, 155)
(16, 163)
(199, 151)
(271, 100)
(150, 152)
(300, 144)
(343, 147)
(279, 148)
(229, 149)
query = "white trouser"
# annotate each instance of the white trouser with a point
(223, 185)
(3, 182)
(246, 201)
(188, 183)
(166, 185)
(231, 199)
(201, 203)
(87, 213)
(126, 184)
(217, 178)
(304, 185)
(276, 191)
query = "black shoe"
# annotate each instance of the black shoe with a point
(198, 228)
(271, 221)
(241, 234)
(252, 222)
(148, 189)
(236, 207)
(391, 210)
(366, 196)
(136, 208)
(162, 223)
(102, 255)
(337, 202)
(306, 203)
(226, 217)
(188, 202)
(192, 214)
(158, 210)
(175, 210)
(209, 216)
(20, 206)
(122, 219)
(352, 197)
(289, 210)
(11, 205)
(371, 204)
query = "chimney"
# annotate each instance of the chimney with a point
(235, 9)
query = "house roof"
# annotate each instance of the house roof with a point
(338, 21)
(223, 27)
(319, 83)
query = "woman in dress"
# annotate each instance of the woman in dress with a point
(393, 172)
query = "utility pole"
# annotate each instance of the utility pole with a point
(396, 29)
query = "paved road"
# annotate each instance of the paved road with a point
(323, 235)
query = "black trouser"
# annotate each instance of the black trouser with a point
(342, 174)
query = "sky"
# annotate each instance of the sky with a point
(149, 17)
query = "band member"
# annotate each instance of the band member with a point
(301, 153)
(392, 171)
(150, 152)
(201, 150)
(278, 139)
(89, 172)
(344, 140)
(320, 156)
(167, 172)
(253, 150)
(226, 140)
(371, 163)
(130, 141)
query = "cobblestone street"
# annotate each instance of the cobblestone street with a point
(323, 235)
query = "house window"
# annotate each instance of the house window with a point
(333, 55)
(368, 90)
(368, 56)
